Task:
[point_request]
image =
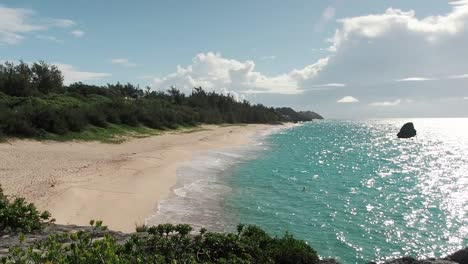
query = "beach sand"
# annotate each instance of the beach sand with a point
(120, 184)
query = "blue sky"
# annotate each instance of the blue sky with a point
(264, 51)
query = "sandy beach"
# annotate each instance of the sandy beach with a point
(118, 183)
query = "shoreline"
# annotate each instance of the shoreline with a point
(119, 184)
(203, 184)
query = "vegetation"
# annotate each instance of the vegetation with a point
(156, 244)
(35, 103)
(19, 216)
(167, 244)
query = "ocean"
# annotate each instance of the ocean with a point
(351, 189)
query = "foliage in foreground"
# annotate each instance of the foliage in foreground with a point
(168, 244)
(19, 216)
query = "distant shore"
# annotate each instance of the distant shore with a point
(117, 183)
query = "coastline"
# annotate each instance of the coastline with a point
(119, 184)
(198, 197)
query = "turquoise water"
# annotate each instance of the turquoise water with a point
(355, 192)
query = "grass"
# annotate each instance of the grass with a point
(139, 228)
(113, 134)
(116, 134)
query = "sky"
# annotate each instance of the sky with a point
(341, 58)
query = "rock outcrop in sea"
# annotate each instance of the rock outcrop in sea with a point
(407, 131)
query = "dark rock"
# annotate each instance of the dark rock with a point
(461, 256)
(436, 261)
(403, 260)
(411, 260)
(407, 131)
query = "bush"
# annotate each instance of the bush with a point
(96, 117)
(168, 244)
(16, 123)
(75, 118)
(19, 216)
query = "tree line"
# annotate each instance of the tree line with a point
(34, 101)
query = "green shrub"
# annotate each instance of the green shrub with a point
(19, 216)
(75, 118)
(96, 117)
(167, 244)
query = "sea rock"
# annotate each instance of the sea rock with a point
(407, 131)
(461, 256)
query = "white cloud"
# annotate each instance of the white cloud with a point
(49, 38)
(268, 58)
(71, 74)
(15, 23)
(63, 23)
(465, 98)
(461, 76)
(371, 50)
(387, 103)
(415, 79)
(378, 48)
(78, 33)
(330, 85)
(214, 72)
(347, 100)
(123, 62)
(328, 14)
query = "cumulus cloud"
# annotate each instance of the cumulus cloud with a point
(387, 103)
(214, 72)
(347, 100)
(378, 48)
(123, 62)
(78, 33)
(392, 54)
(71, 74)
(16, 22)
